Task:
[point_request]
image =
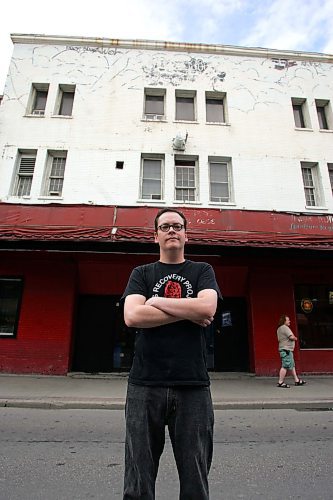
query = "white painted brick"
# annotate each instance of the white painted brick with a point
(107, 125)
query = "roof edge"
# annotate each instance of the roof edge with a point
(18, 38)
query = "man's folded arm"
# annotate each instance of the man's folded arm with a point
(201, 308)
(139, 315)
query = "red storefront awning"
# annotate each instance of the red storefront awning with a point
(135, 224)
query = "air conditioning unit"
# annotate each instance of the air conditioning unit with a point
(154, 117)
(38, 112)
(179, 141)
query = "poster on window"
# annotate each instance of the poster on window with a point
(226, 319)
(330, 298)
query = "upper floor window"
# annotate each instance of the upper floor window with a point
(301, 115)
(65, 100)
(324, 114)
(330, 173)
(185, 105)
(215, 107)
(55, 172)
(38, 98)
(220, 180)
(10, 299)
(151, 178)
(311, 183)
(154, 105)
(186, 179)
(24, 173)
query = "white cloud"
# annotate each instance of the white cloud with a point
(283, 24)
(292, 24)
(131, 19)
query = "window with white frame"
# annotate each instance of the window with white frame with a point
(186, 179)
(24, 173)
(330, 173)
(311, 184)
(324, 114)
(151, 177)
(65, 100)
(215, 107)
(220, 180)
(54, 173)
(301, 115)
(154, 104)
(185, 105)
(38, 98)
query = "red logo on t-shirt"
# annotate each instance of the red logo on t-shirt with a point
(173, 290)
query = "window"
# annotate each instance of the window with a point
(38, 99)
(10, 299)
(330, 173)
(301, 115)
(65, 100)
(314, 309)
(185, 189)
(151, 178)
(154, 104)
(25, 172)
(55, 171)
(324, 114)
(311, 183)
(185, 105)
(219, 174)
(215, 112)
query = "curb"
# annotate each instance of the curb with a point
(91, 404)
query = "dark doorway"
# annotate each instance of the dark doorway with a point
(231, 346)
(102, 341)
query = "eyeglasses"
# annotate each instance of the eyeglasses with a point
(176, 227)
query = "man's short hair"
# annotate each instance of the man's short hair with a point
(164, 210)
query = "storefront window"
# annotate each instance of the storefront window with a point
(314, 309)
(10, 298)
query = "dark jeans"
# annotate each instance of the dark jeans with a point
(188, 413)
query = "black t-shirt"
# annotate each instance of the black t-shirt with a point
(171, 354)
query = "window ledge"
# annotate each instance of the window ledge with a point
(304, 129)
(224, 203)
(187, 202)
(29, 115)
(219, 124)
(326, 130)
(66, 117)
(316, 349)
(141, 200)
(316, 208)
(50, 198)
(187, 121)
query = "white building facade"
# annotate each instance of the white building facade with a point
(222, 132)
(258, 124)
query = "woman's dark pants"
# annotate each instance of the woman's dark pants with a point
(188, 413)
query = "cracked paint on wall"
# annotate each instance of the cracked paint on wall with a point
(248, 81)
(178, 70)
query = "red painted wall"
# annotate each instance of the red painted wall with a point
(52, 283)
(271, 294)
(43, 340)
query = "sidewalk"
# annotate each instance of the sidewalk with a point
(108, 391)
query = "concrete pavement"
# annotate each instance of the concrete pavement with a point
(108, 391)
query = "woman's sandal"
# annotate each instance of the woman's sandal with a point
(283, 385)
(300, 382)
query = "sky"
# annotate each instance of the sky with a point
(301, 25)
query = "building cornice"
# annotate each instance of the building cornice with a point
(18, 38)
